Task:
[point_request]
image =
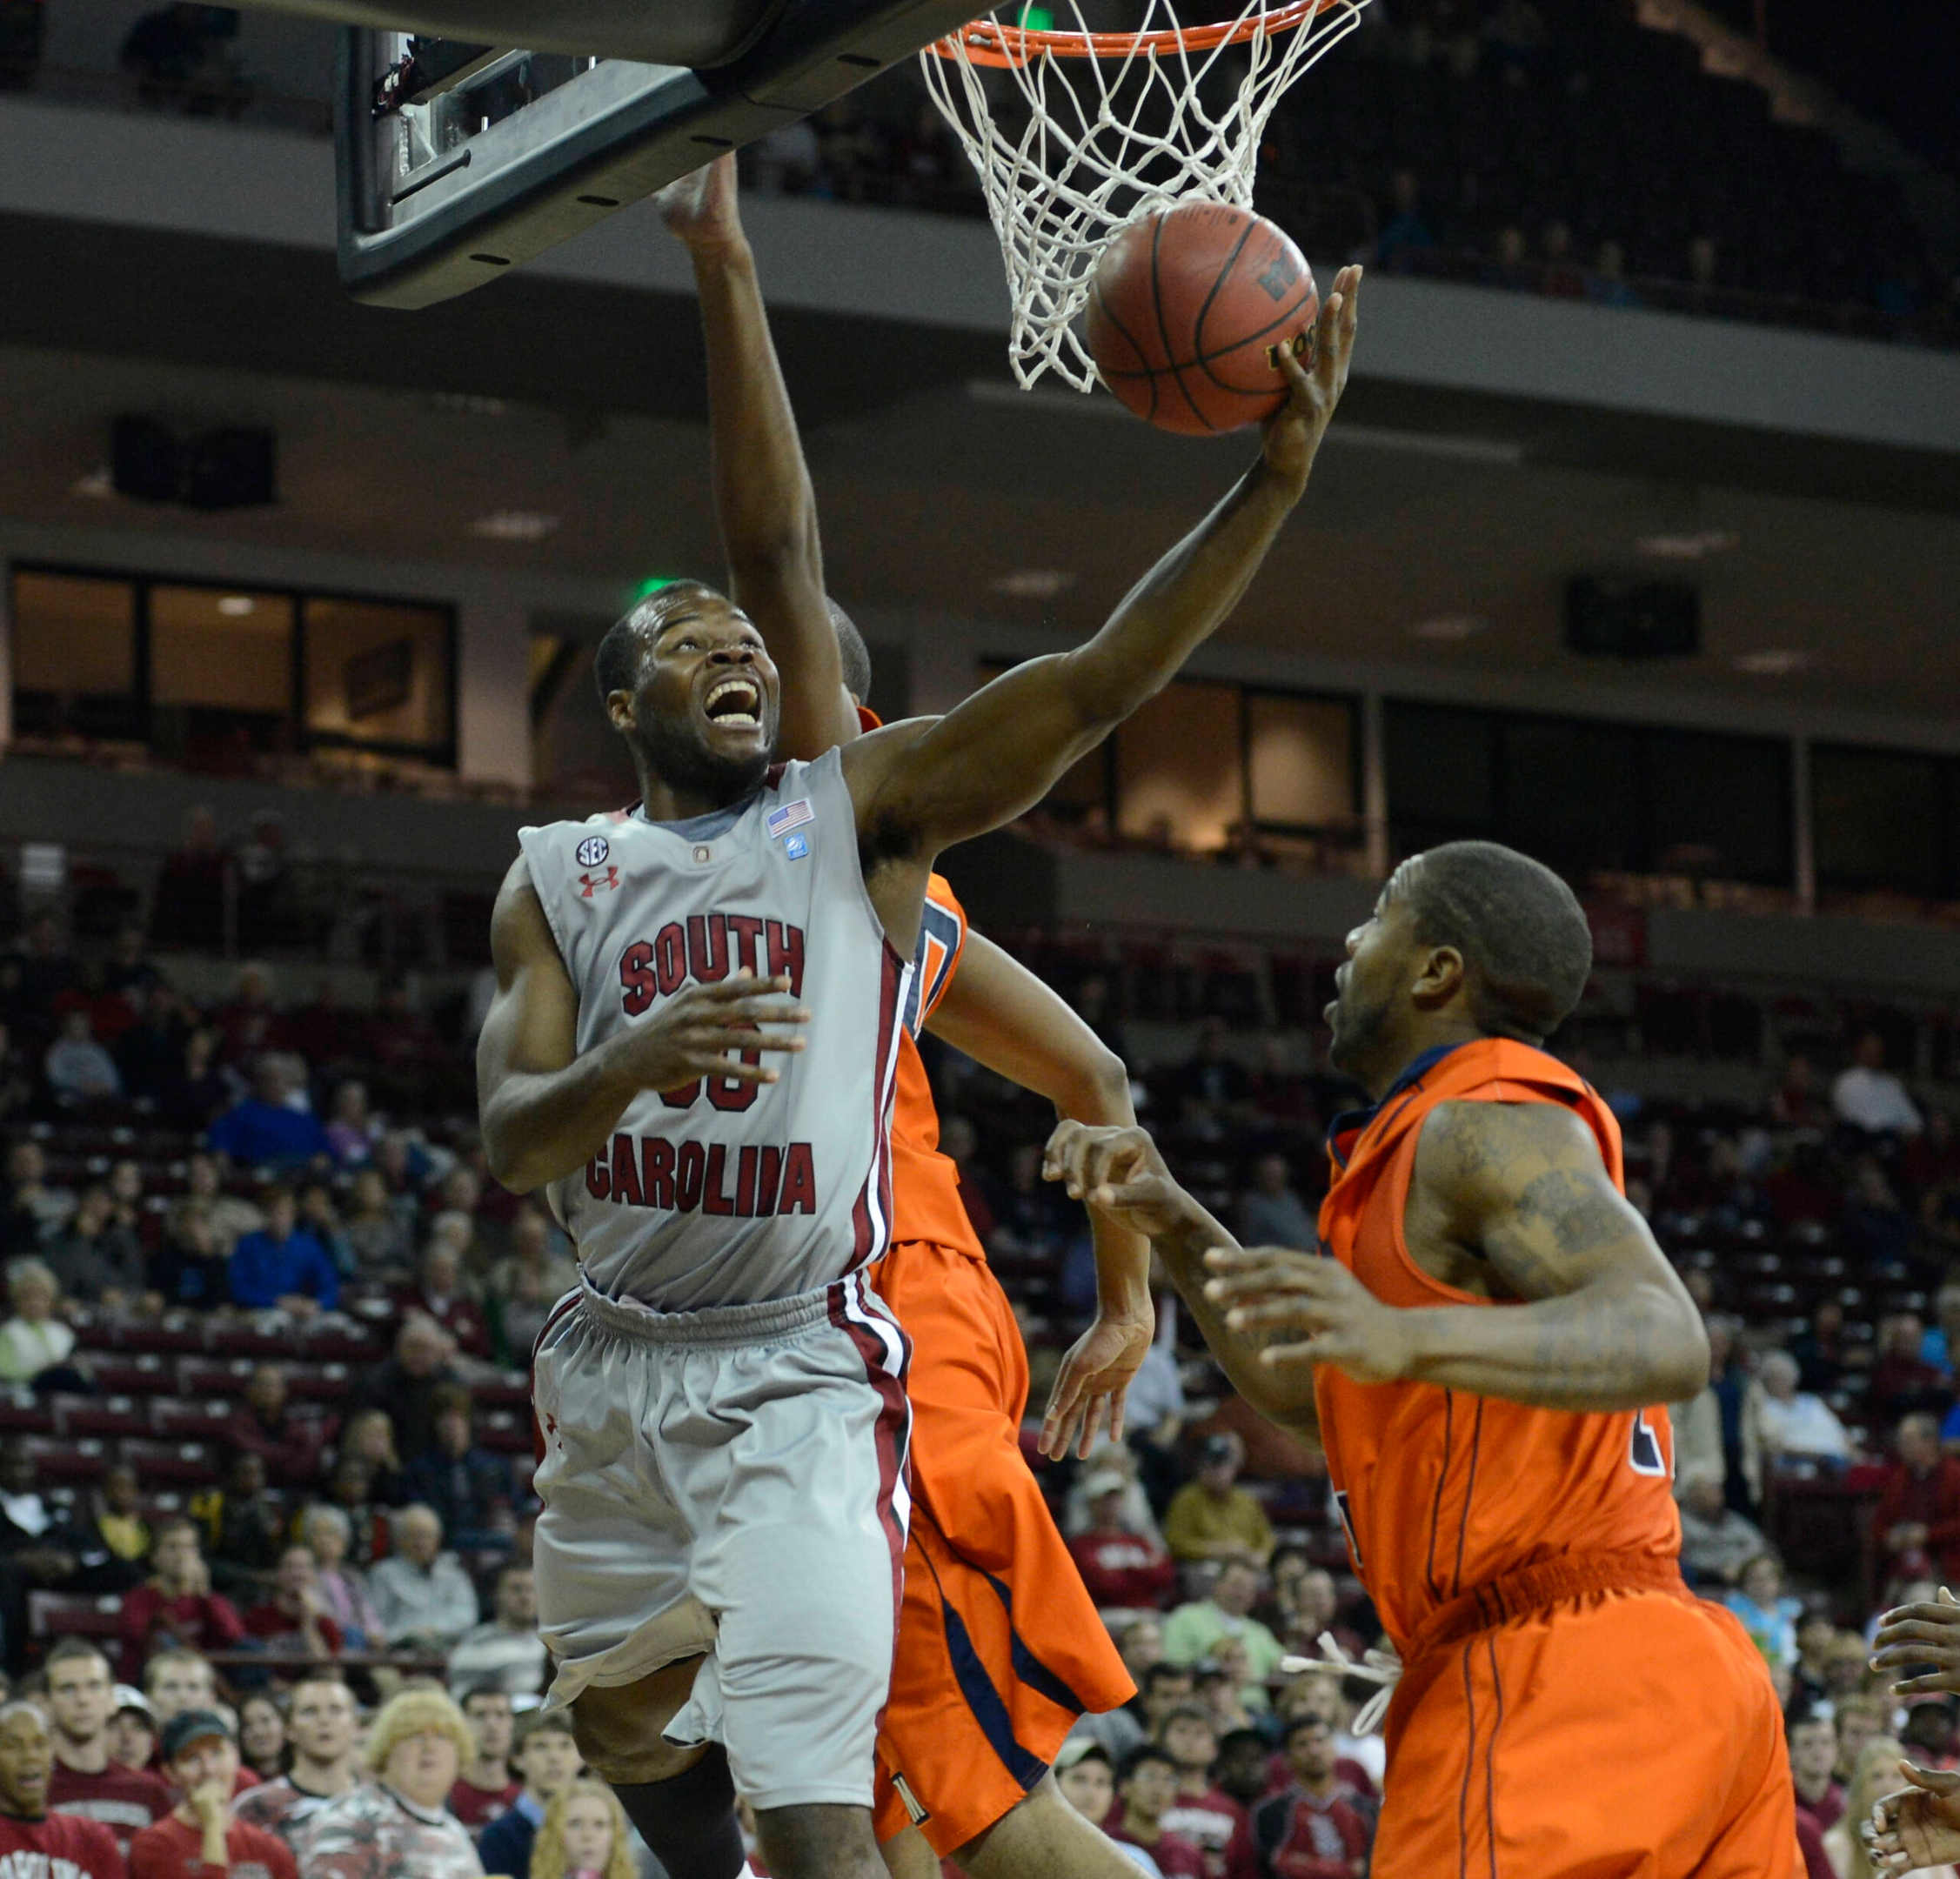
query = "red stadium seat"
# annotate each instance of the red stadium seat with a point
(212, 1376)
(102, 1415)
(65, 1461)
(177, 1420)
(57, 1615)
(146, 1375)
(505, 1432)
(341, 1342)
(191, 1463)
(254, 1337)
(319, 1383)
(169, 1335)
(23, 1413)
(511, 1391)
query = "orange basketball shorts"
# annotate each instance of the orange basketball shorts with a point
(999, 1646)
(1634, 1735)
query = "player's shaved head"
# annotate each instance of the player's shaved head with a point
(1470, 940)
(855, 655)
(1527, 948)
(616, 664)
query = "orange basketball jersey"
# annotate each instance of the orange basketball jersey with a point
(926, 1203)
(1441, 1491)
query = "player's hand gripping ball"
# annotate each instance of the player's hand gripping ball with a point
(1189, 312)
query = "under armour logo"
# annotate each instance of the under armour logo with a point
(598, 883)
(1280, 275)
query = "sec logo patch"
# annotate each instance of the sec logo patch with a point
(593, 850)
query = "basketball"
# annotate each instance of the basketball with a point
(1188, 310)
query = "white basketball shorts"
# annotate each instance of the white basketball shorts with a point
(731, 1481)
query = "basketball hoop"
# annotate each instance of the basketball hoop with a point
(1132, 132)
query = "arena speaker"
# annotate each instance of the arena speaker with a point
(236, 467)
(1612, 616)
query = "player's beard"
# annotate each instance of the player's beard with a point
(1358, 1025)
(669, 749)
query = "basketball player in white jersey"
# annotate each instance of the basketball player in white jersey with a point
(978, 1708)
(721, 1404)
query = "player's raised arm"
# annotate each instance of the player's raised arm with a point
(763, 496)
(545, 1109)
(1119, 1172)
(1001, 1015)
(1602, 1321)
(922, 786)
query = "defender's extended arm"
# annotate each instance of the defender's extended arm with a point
(1119, 1171)
(763, 496)
(1001, 1015)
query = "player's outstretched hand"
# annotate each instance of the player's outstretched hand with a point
(1911, 1635)
(1092, 1383)
(701, 208)
(1918, 1826)
(1294, 432)
(1118, 1171)
(1276, 1294)
(715, 1030)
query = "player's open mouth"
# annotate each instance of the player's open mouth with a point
(734, 702)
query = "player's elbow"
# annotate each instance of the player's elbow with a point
(1677, 1348)
(503, 1151)
(1095, 1088)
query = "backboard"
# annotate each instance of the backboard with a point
(460, 159)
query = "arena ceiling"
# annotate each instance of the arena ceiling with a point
(1440, 531)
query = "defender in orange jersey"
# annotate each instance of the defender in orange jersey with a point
(1000, 1647)
(1480, 1348)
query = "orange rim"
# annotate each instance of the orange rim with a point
(987, 42)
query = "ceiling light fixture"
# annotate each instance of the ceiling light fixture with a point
(1771, 662)
(467, 401)
(514, 524)
(235, 606)
(1451, 626)
(1689, 546)
(99, 485)
(1034, 582)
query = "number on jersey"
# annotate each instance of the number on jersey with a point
(1644, 1454)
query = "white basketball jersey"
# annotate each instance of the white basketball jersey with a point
(726, 1192)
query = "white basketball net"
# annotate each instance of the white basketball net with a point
(1130, 135)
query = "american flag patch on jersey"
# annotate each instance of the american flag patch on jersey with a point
(791, 815)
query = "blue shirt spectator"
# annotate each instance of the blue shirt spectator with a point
(1404, 230)
(263, 1128)
(279, 1264)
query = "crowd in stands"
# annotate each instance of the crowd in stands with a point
(266, 1451)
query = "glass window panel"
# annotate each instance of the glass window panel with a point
(1721, 806)
(1302, 760)
(1441, 774)
(1179, 770)
(73, 635)
(378, 673)
(1877, 821)
(221, 650)
(1572, 796)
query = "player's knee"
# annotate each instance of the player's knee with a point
(618, 1730)
(819, 1842)
(1043, 1834)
